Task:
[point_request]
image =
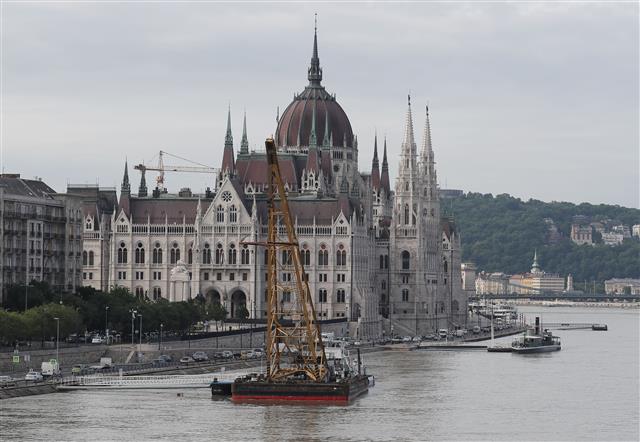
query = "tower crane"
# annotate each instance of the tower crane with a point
(162, 168)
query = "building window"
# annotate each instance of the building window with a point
(305, 255)
(233, 254)
(286, 258)
(174, 254)
(218, 276)
(322, 295)
(206, 254)
(245, 276)
(341, 258)
(139, 292)
(157, 293)
(90, 275)
(342, 277)
(157, 276)
(122, 254)
(244, 255)
(233, 214)
(383, 285)
(84, 275)
(157, 254)
(219, 254)
(323, 257)
(206, 276)
(232, 276)
(405, 295)
(139, 254)
(91, 257)
(405, 279)
(322, 277)
(84, 258)
(190, 255)
(445, 266)
(340, 296)
(406, 260)
(220, 214)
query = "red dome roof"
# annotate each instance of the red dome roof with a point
(294, 126)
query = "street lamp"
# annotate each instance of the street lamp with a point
(160, 341)
(57, 339)
(133, 317)
(106, 323)
(140, 345)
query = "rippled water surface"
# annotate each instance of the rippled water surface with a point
(587, 391)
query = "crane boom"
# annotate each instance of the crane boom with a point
(162, 168)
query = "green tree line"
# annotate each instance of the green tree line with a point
(500, 233)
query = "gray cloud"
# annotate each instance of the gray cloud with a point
(536, 99)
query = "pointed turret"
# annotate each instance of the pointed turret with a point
(326, 140)
(228, 164)
(142, 190)
(125, 187)
(375, 166)
(384, 177)
(535, 268)
(427, 149)
(244, 144)
(315, 71)
(408, 149)
(313, 140)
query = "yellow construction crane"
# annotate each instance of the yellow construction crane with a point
(162, 168)
(294, 344)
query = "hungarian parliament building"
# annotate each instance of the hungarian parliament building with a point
(380, 258)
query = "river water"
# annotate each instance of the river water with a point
(587, 391)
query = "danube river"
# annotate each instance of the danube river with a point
(587, 391)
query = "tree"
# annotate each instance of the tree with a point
(242, 312)
(217, 313)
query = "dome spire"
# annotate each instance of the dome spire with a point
(315, 71)
(313, 140)
(244, 144)
(228, 139)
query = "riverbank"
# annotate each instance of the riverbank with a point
(558, 303)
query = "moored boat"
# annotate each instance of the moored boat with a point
(536, 340)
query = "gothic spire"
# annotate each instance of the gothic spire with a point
(126, 187)
(228, 139)
(409, 143)
(315, 71)
(244, 144)
(142, 190)
(384, 178)
(375, 166)
(228, 163)
(326, 141)
(427, 148)
(313, 141)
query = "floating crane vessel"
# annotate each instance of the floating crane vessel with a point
(297, 365)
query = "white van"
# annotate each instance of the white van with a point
(443, 332)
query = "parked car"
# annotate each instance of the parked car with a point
(96, 340)
(7, 381)
(442, 333)
(159, 362)
(166, 358)
(258, 352)
(475, 330)
(227, 354)
(200, 356)
(34, 376)
(406, 339)
(186, 360)
(79, 370)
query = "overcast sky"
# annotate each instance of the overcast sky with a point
(539, 100)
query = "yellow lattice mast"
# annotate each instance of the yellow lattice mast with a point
(294, 344)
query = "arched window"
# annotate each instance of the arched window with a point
(286, 258)
(206, 254)
(174, 254)
(233, 254)
(382, 261)
(340, 296)
(84, 258)
(406, 213)
(266, 256)
(233, 214)
(220, 214)
(122, 254)
(322, 295)
(406, 260)
(305, 255)
(91, 257)
(157, 293)
(445, 266)
(139, 254)
(341, 258)
(244, 255)
(190, 255)
(139, 292)
(219, 254)
(323, 257)
(88, 224)
(405, 295)
(157, 254)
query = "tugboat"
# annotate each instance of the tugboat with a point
(297, 365)
(536, 340)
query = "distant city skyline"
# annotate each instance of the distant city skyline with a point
(537, 100)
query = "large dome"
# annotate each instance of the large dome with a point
(294, 126)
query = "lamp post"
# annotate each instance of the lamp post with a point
(160, 341)
(133, 317)
(106, 323)
(140, 345)
(57, 339)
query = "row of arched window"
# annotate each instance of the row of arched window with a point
(305, 257)
(156, 293)
(174, 255)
